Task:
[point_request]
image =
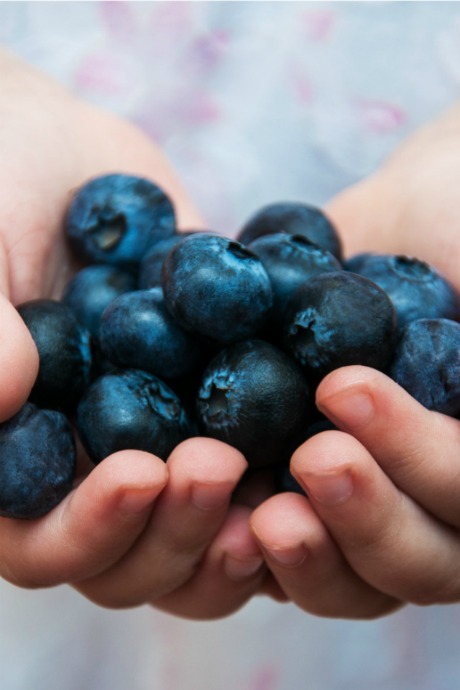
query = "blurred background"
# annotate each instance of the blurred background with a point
(253, 102)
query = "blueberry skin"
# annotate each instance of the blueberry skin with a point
(152, 263)
(92, 289)
(37, 462)
(116, 219)
(130, 409)
(416, 289)
(137, 331)
(340, 319)
(65, 353)
(294, 218)
(255, 398)
(216, 287)
(284, 479)
(290, 260)
(427, 364)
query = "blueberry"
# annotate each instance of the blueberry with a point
(92, 289)
(290, 260)
(286, 482)
(130, 409)
(152, 263)
(116, 219)
(64, 350)
(255, 398)
(37, 462)
(284, 479)
(416, 289)
(137, 331)
(217, 288)
(427, 363)
(340, 319)
(296, 219)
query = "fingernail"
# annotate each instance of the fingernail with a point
(352, 408)
(329, 489)
(135, 501)
(210, 496)
(238, 569)
(289, 558)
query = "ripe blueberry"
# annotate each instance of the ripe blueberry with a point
(296, 219)
(216, 287)
(255, 398)
(137, 331)
(117, 218)
(92, 289)
(152, 263)
(130, 409)
(37, 462)
(340, 319)
(416, 289)
(290, 260)
(64, 350)
(427, 363)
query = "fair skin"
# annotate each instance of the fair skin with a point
(382, 524)
(137, 530)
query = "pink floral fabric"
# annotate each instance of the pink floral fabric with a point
(254, 102)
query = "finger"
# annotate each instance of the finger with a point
(202, 476)
(308, 565)
(419, 449)
(230, 573)
(18, 360)
(388, 539)
(90, 530)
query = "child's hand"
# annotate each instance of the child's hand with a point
(382, 523)
(135, 529)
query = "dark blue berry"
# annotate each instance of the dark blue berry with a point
(137, 331)
(340, 319)
(152, 264)
(296, 219)
(416, 289)
(255, 398)
(37, 462)
(290, 260)
(217, 288)
(92, 289)
(64, 350)
(284, 479)
(117, 218)
(427, 363)
(130, 409)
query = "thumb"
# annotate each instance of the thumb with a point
(18, 354)
(415, 447)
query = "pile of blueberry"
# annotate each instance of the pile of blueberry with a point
(164, 335)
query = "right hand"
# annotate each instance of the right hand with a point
(135, 530)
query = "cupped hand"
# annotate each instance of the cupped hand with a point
(410, 205)
(381, 525)
(135, 530)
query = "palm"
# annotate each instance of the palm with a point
(411, 205)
